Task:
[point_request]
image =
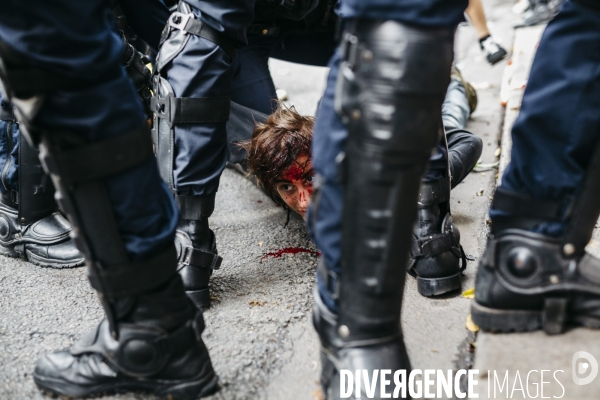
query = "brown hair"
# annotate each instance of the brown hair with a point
(276, 144)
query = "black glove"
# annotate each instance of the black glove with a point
(135, 65)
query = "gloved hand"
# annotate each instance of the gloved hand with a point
(135, 65)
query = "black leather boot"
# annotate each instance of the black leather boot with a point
(338, 353)
(158, 350)
(44, 242)
(196, 247)
(528, 281)
(150, 340)
(31, 228)
(385, 66)
(437, 258)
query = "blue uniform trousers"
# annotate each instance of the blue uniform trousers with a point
(146, 18)
(559, 123)
(77, 40)
(330, 135)
(252, 85)
(202, 69)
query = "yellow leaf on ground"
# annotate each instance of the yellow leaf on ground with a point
(470, 325)
(469, 294)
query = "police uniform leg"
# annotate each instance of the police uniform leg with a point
(30, 226)
(191, 108)
(389, 95)
(535, 272)
(123, 216)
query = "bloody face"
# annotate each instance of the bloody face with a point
(295, 185)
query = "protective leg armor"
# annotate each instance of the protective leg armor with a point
(150, 340)
(143, 356)
(30, 226)
(527, 281)
(195, 242)
(389, 93)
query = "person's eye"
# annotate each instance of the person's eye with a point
(285, 187)
(309, 179)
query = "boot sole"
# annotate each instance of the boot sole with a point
(430, 287)
(182, 390)
(495, 320)
(41, 261)
(505, 321)
(201, 298)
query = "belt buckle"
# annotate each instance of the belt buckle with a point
(179, 20)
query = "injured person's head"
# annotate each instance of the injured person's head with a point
(279, 156)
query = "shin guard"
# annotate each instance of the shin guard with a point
(389, 93)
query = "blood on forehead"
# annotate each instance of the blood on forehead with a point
(294, 173)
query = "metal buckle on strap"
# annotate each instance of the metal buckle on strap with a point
(201, 258)
(14, 196)
(436, 244)
(180, 20)
(349, 47)
(162, 107)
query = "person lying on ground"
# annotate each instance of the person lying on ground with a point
(278, 153)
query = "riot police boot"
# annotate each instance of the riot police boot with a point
(437, 258)
(155, 348)
(528, 281)
(196, 247)
(385, 66)
(337, 352)
(150, 340)
(31, 228)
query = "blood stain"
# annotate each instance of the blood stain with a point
(294, 173)
(289, 250)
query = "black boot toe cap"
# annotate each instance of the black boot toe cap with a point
(60, 255)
